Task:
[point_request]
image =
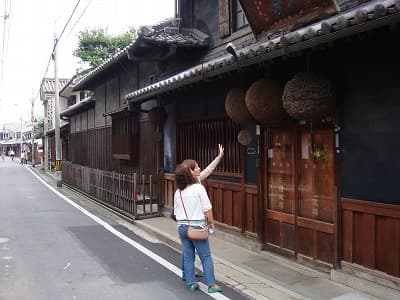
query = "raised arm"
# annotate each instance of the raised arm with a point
(211, 167)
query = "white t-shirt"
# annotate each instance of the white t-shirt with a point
(196, 202)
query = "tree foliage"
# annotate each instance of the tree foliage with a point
(38, 128)
(96, 45)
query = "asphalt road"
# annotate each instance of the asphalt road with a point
(61, 246)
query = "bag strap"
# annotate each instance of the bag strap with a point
(187, 218)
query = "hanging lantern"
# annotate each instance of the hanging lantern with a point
(245, 137)
(264, 102)
(236, 107)
(308, 96)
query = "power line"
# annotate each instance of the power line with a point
(6, 32)
(56, 42)
(79, 18)
(66, 24)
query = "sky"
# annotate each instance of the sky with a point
(27, 40)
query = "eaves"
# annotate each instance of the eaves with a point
(360, 19)
(171, 37)
(82, 105)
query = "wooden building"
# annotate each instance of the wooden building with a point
(47, 96)
(305, 105)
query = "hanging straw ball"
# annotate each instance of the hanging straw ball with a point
(264, 102)
(236, 107)
(245, 137)
(157, 115)
(308, 96)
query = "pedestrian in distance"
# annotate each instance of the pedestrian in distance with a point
(3, 153)
(12, 154)
(192, 206)
(22, 157)
(203, 176)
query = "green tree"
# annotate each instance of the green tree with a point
(38, 128)
(96, 45)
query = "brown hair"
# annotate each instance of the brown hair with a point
(190, 163)
(183, 174)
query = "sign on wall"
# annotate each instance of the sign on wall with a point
(272, 16)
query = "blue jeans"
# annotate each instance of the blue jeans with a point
(188, 252)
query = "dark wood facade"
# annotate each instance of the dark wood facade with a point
(325, 211)
(371, 235)
(338, 209)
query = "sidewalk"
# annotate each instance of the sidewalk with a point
(257, 274)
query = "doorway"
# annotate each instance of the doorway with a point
(298, 187)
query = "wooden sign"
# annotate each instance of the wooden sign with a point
(273, 16)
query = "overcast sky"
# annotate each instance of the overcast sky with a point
(29, 39)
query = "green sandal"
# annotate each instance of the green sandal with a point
(193, 287)
(214, 289)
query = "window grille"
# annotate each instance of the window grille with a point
(199, 140)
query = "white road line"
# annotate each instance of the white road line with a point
(66, 266)
(174, 269)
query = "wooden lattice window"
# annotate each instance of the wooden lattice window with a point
(123, 131)
(199, 140)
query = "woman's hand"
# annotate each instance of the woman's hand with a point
(221, 150)
(210, 219)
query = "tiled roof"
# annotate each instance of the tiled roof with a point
(84, 104)
(69, 86)
(48, 86)
(63, 128)
(161, 33)
(365, 17)
(173, 35)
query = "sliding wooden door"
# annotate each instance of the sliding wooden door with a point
(299, 193)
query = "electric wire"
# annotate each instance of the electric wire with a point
(55, 44)
(6, 33)
(66, 24)
(79, 18)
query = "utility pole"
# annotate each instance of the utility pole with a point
(5, 17)
(33, 135)
(57, 116)
(22, 140)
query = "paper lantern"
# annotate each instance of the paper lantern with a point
(245, 137)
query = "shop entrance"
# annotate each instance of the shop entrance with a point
(299, 193)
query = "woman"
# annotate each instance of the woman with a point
(192, 197)
(201, 177)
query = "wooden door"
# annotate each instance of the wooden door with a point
(279, 190)
(299, 193)
(316, 196)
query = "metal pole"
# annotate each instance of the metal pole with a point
(21, 143)
(33, 135)
(57, 115)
